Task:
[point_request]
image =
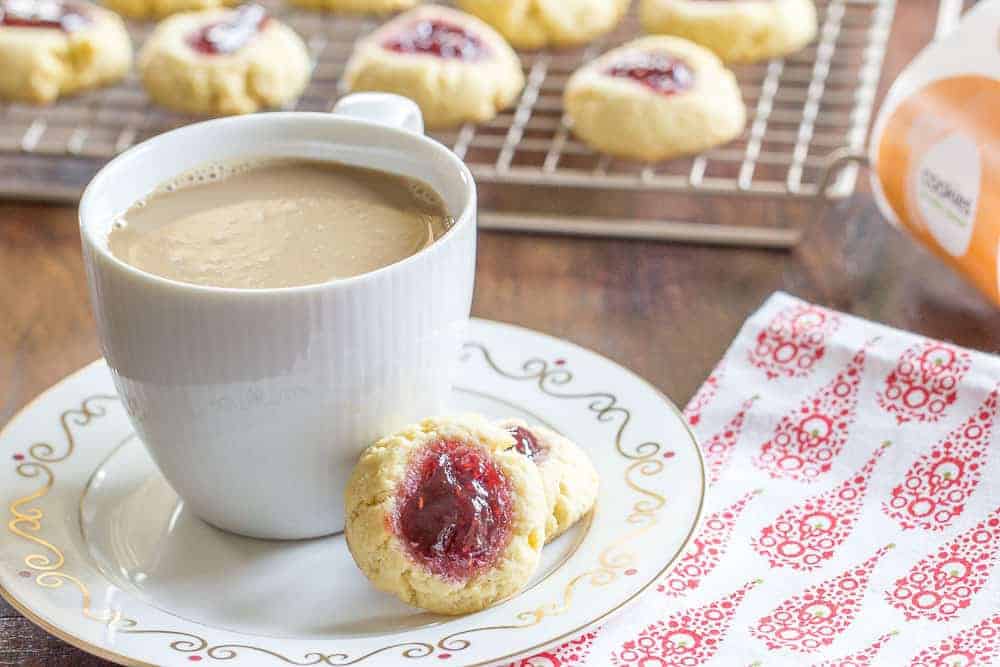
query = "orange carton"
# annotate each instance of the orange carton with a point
(935, 149)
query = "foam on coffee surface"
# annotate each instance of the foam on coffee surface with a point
(278, 223)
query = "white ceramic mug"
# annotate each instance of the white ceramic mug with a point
(255, 403)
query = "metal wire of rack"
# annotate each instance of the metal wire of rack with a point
(809, 117)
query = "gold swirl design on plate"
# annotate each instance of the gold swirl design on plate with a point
(57, 579)
(187, 642)
(603, 403)
(87, 412)
(613, 560)
(26, 522)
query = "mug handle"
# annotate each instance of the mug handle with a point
(382, 108)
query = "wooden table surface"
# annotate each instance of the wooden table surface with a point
(666, 311)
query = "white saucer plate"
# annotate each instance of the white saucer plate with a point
(99, 551)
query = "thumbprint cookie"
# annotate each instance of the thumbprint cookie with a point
(655, 98)
(533, 24)
(224, 61)
(51, 48)
(455, 67)
(570, 479)
(447, 515)
(738, 31)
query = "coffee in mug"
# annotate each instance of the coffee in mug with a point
(278, 223)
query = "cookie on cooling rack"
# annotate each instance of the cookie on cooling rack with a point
(157, 9)
(655, 98)
(455, 67)
(224, 61)
(570, 479)
(738, 31)
(357, 6)
(446, 515)
(51, 48)
(533, 24)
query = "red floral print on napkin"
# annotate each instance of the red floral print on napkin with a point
(793, 341)
(830, 405)
(863, 658)
(812, 619)
(806, 534)
(807, 439)
(719, 448)
(704, 395)
(686, 638)
(924, 382)
(706, 550)
(944, 582)
(977, 646)
(935, 488)
(571, 653)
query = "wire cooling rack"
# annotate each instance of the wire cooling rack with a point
(808, 119)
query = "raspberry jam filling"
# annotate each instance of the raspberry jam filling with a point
(51, 14)
(526, 443)
(438, 38)
(660, 72)
(454, 510)
(231, 34)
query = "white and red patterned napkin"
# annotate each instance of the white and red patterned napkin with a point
(854, 509)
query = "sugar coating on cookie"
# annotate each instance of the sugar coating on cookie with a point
(455, 67)
(655, 98)
(357, 6)
(738, 31)
(51, 48)
(223, 61)
(157, 9)
(446, 515)
(533, 24)
(570, 479)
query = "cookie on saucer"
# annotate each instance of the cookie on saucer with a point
(655, 98)
(455, 67)
(357, 6)
(533, 24)
(224, 61)
(51, 48)
(446, 515)
(570, 479)
(738, 31)
(157, 9)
